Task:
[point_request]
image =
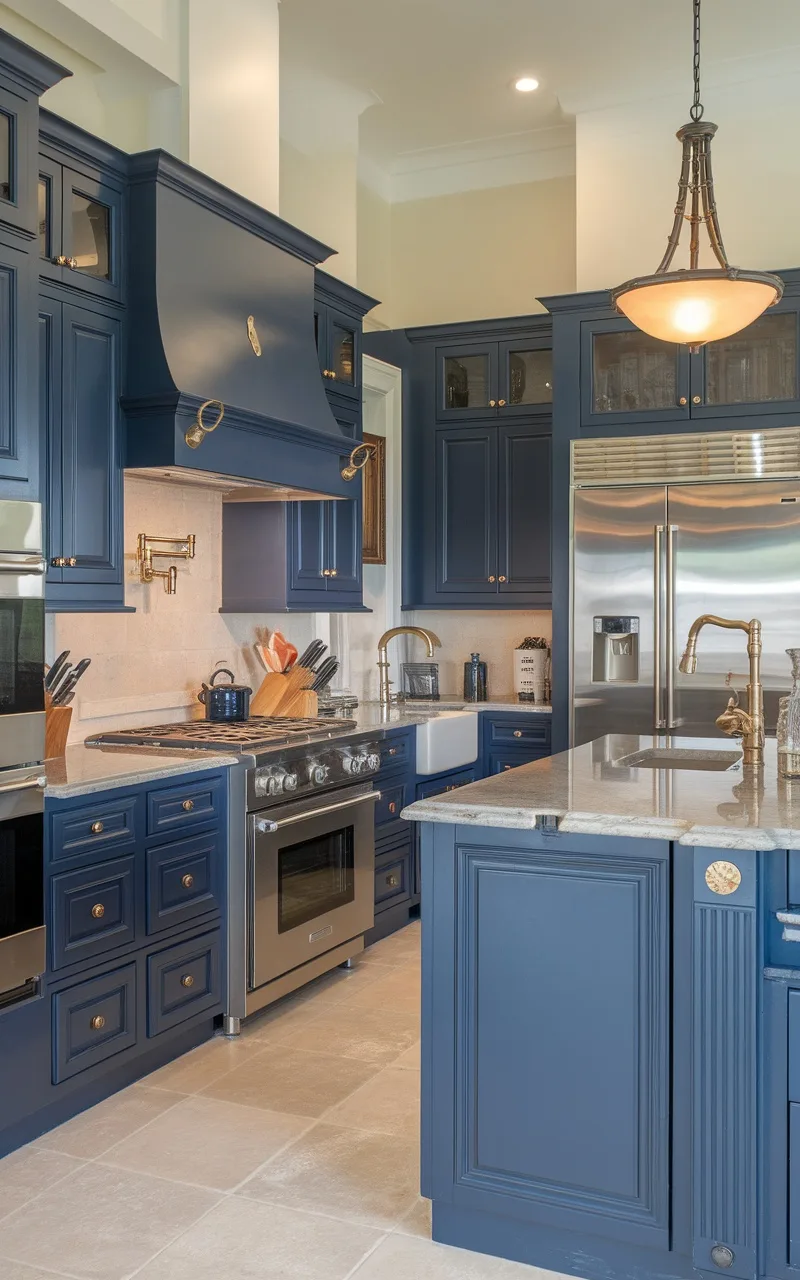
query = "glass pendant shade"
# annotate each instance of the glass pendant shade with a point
(695, 307)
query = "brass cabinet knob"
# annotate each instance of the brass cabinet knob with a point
(96, 828)
(326, 573)
(187, 881)
(58, 562)
(392, 806)
(501, 403)
(333, 572)
(682, 400)
(63, 261)
(187, 980)
(392, 881)
(72, 561)
(333, 373)
(98, 911)
(697, 400)
(502, 578)
(492, 404)
(492, 578)
(98, 1022)
(393, 751)
(517, 733)
(187, 806)
(507, 766)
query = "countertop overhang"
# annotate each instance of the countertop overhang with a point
(587, 791)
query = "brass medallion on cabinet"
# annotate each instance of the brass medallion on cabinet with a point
(723, 877)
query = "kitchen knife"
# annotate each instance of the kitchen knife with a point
(69, 683)
(56, 670)
(325, 673)
(312, 654)
(59, 685)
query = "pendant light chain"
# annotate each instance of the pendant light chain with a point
(697, 108)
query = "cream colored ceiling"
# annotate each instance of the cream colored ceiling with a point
(442, 69)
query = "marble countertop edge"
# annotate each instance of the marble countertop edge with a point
(86, 770)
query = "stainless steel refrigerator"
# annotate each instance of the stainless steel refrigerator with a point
(665, 529)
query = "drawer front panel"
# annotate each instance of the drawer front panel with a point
(96, 829)
(518, 731)
(501, 761)
(182, 881)
(394, 798)
(452, 782)
(93, 1021)
(180, 808)
(397, 750)
(183, 981)
(92, 910)
(393, 878)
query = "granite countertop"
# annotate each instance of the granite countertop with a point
(591, 792)
(371, 715)
(84, 770)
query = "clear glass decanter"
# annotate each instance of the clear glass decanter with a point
(788, 730)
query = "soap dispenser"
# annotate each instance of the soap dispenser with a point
(475, 679)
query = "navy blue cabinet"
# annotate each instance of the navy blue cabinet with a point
(80, 229)
(495, 377)
(339, 310)
(79, 389)
(24, 76)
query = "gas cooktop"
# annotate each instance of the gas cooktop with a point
(256, 734)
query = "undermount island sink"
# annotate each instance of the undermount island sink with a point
(447, 741)
(682, 758)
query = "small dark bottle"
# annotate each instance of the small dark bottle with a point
(475, 679)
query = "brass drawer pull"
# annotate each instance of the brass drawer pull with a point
(187, 881)
(392, 881)
(393, 751)
(517, 733)
(697, 400)
(334, 572)
(392, 806)
(98, 1022)
(682, 400)
(97, 828)
(501, 403)
(187, 806)
(187, 980)
(502, 578)
(98, 911)
(492, 404)
(58, 562)
(72, 561)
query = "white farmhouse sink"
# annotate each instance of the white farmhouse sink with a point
(447, 741)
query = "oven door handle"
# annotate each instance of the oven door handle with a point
(22, 563)
(25, 785)
(266, 825)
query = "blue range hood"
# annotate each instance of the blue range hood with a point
(214, 280)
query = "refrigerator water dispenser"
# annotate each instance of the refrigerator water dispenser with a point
(615, 650)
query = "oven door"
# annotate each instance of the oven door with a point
(312, 880)
(22, 934)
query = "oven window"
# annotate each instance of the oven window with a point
(315, 877)
(21, 875)
(21, 656)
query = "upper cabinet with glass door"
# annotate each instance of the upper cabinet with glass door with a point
(24, 76)
(627, 375)
(503, 378)
(338, 314)
(80, 229)
(753, 370)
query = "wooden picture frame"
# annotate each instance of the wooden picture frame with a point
(374, 498)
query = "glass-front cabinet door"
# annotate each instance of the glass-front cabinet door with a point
(632, 376)
(79, 225)
(17, 208)
(467, 381)
(757, 366)
(339, 346)
(526, 378)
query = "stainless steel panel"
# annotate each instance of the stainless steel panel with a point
(717, 455)
(736, 553)
(21, 739)
(614, 561)
(271, 953)
(22, 957)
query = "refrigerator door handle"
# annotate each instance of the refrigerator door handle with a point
(658, 629)
(669, 654)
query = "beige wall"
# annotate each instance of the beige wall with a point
(318, 195)
(482, 253)
(373, 224)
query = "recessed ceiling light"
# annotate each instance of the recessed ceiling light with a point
(526, 84)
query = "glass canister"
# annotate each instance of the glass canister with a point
(788, 730)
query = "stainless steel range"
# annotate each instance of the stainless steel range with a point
(301, 874)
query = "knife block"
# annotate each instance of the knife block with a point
(56, 729)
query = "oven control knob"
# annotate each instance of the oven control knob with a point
(354, 764)
(290, 781)
(373, 761)
(319, 774)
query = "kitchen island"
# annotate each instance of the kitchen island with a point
(611, 1012)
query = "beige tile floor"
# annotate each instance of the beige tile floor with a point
(291, 1152)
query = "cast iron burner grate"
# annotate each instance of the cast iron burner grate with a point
(236, 735)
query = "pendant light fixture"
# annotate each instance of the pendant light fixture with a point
(704, 303)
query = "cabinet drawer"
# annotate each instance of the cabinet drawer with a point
(394, 798)
(93, 1021)
(397, 750)
(178, 808)
(393, 878)
(97, 828)
(182, 880)
(518, 731)
(450, 782)
(501, 761)
(183, 981)
(92, 910)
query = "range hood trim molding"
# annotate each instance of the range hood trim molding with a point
(338, 291)
(146, 166)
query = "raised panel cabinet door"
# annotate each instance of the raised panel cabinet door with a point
(50, 344)
(49, 221)
(546, 1094)
(19, 439)
(308, 536)
(467, 381)
(524, 537)
(466, 511)
(344, 542)
(91, 445)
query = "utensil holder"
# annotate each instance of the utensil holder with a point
(56, 731)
